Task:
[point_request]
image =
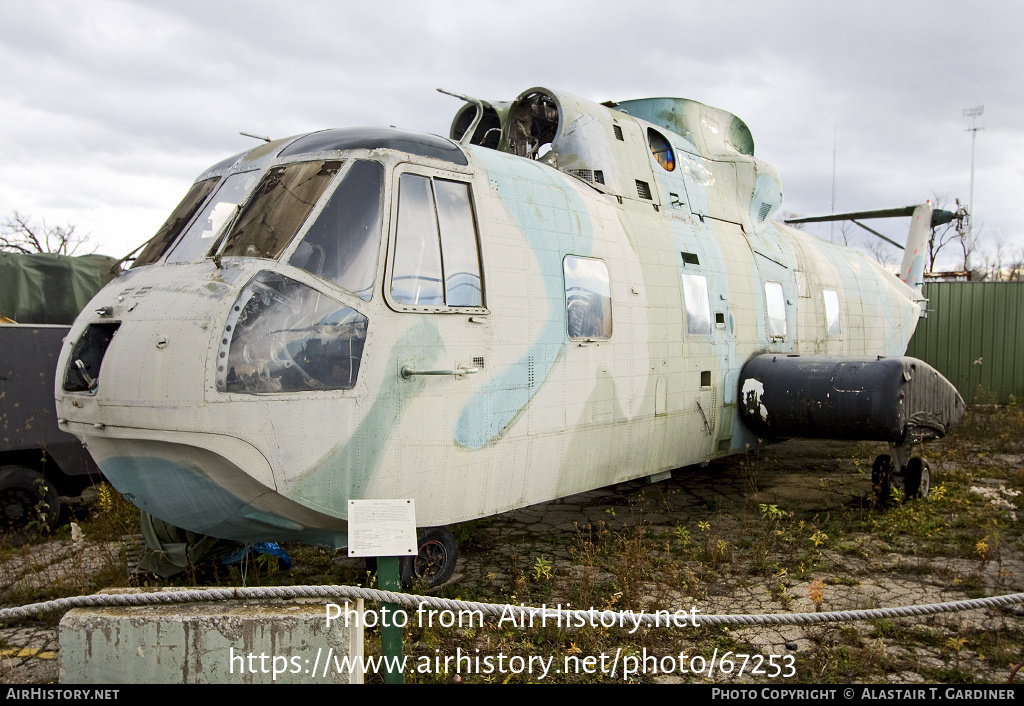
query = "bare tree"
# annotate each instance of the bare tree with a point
(949, 233)
(20, 233)
(1001, 263)
(884, 253)
(782, 216)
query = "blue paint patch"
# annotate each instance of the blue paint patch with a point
(174, 493)
(915, 278)
(188, 499)
(555, 220)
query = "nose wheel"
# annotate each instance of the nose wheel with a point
(434, 563)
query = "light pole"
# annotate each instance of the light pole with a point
(973, 114)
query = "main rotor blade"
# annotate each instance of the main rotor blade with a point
(859, 215)
(939, 217)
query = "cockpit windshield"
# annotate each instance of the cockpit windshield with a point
(343, 242)
(176, 222)
(224, 204)
(278, 208)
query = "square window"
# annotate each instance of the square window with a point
(588, 299)
(775, 300)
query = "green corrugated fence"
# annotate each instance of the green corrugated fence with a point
(974, 335)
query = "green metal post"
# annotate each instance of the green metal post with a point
(389, 579)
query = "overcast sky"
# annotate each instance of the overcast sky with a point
(109, 110)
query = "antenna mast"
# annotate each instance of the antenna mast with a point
(973, 114)
(831, 233)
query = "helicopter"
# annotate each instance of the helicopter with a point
(559, 296)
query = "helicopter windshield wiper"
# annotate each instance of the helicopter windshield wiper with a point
(220, 244)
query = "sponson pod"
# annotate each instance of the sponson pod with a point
(901, 400)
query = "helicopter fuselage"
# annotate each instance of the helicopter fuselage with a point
(370, 313)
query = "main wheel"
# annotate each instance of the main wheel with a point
(435, 562)
(881, 477)
(27, 501)
(917, 478)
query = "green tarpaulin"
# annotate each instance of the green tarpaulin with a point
(44, 288)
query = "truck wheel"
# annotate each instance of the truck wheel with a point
(28, 502)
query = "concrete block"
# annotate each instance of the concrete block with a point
(230, 642)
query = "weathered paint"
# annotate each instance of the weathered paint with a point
(546, 415)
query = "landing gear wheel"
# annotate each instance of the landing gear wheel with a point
(27, 501)
(881, 478)
(435, 562)
(917, 478)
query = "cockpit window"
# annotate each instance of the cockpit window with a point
(437, 259)
(176, 222)
(343, 242)
(417, 275)
(201, 234)
(458, 244)
(277, 209)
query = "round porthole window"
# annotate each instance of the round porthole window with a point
(661, 149)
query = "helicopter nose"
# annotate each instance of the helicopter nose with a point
(140, 387)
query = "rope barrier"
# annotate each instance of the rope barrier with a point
(520, 613)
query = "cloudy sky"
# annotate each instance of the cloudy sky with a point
(110, 109)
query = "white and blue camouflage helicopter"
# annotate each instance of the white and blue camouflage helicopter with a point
(561, 296)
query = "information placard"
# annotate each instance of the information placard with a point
(381, 528)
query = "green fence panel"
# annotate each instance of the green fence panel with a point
(973, 335)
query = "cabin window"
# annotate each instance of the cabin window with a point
(698, 305)
(343, 242)
(201, 234)
(832, 325)
(437, 257)
(661, 149)
(775, 299)
(277, 209)
(176, 222)
(588, 298)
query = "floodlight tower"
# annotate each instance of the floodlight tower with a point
(973, 114)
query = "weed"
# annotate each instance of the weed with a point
(682, 536)
(40, 523)
(541, 569)
(752, 469)
(104, 498)
(816, 592)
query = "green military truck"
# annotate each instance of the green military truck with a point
(40, 296)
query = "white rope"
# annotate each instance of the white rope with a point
(520, 613)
